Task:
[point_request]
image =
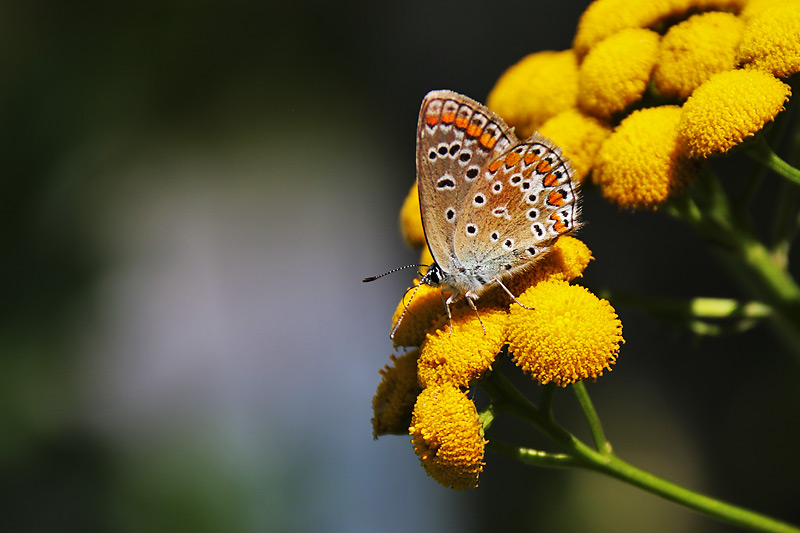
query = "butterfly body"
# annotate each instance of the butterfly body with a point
(491, 205)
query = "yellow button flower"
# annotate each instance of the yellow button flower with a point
(643, 163)
(422, 310)
(728, 108)
(466, 353)
(534, 89)
(579, 136)
(694, 50)
(566, 261)
(448, 437)
(771, 40)
(570, 335)
(397, 392)
(411, 220)
(754, 7)
(604, 18)
(615, 73)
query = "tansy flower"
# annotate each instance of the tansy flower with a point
(579, 136)
(754, 7)
(397, 392)
(694, 50)
(448, 437)
(570, 334)
(643, 163)
(422, 310)
(771, 40)
(534, 89)
(607, 17)
(615, 73)
(728, 108)
(566, 261)
(411, 220)
(465, 353)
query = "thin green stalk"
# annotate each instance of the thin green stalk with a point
(508, 398)
(759, 150)
(600, 441)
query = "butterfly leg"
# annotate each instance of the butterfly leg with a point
(471, 302)
(512, 296)
(449, 316)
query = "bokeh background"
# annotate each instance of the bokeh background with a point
(191, 194)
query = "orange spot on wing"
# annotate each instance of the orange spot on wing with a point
(512, 159)
(555, 198)
(448, 118)
(530, 157)
(474, 130)
(461, 122)
(559, 226)
(494, 165)
(549, 180)
(544, 166)
(487, 141)
(431, 120)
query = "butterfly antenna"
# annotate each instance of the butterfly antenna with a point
(392, 271)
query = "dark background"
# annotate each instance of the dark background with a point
(191, 193)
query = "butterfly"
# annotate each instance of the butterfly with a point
(492, 206)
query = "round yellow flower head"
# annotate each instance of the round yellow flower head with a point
(534, 89)
(570, 335)
(448, 437)
(771, 40)
(694, 50)
(411, 220)
(754, 7)
(728, 108)
(615, 73)
(465, 353)
(426, 257)
(643, 163)
(579, 136)
(397, 392)
(566, 261)
(423, 312)
(604, 18)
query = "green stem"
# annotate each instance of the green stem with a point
(761, 152)
(600, 441)
(508, 398)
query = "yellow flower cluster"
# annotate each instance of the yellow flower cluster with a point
(564, 334)
(653, 88)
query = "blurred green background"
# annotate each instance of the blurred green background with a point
(191, 194)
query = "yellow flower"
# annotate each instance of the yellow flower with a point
(771, 40)
(411, 220)
(426, 258)
(570, 335)
(397, 392)
(534, 89)
(566, 261)
(728, 108)
(604, 18)
(643, 163)
(615, 73)
(448, 437)
(466, 353)
(694, 50)
(754, 7)
(424, 311)
(579, 136)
